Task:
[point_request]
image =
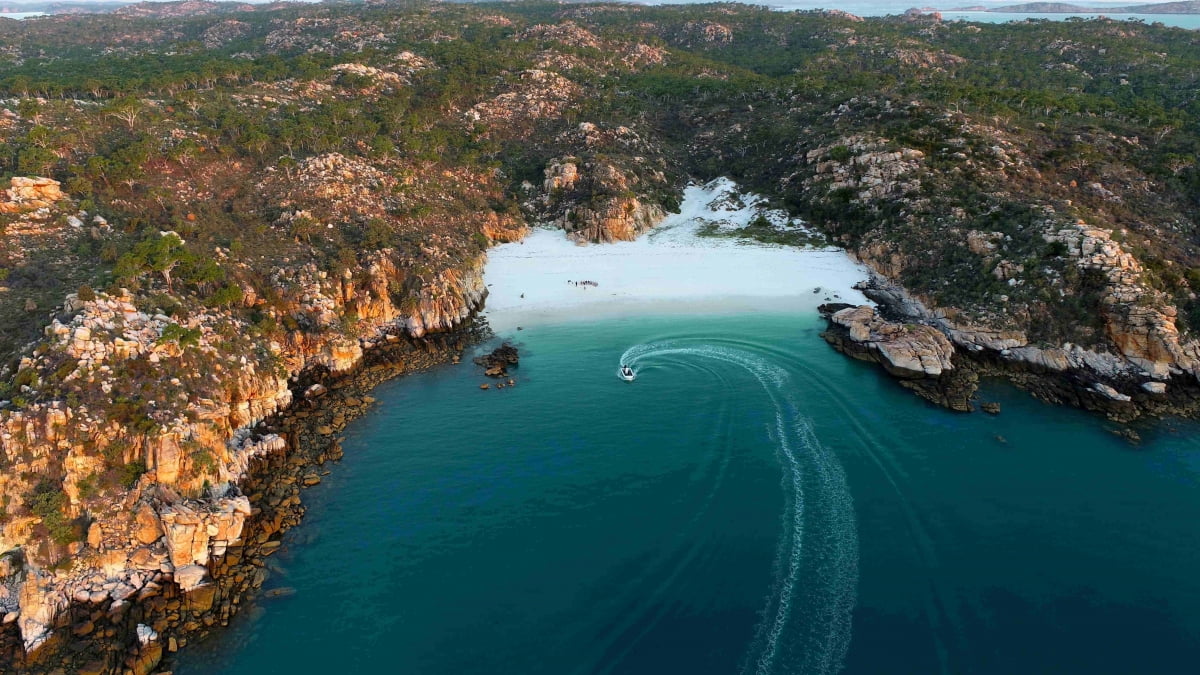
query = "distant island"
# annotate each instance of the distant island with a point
(62, 7)
(1188, 7)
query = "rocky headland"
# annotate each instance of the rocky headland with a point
(942, 361)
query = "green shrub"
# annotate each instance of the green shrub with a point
(133, 414)
(47, 502)
(65, 369)
(184, 337)
(1055, 249)
(205, 462)
(1193, 278)
(27, 377)
(130, 473)
(229, 294)
(88, 486)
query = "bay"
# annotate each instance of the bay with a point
(579, 524)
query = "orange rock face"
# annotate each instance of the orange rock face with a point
(30, 194)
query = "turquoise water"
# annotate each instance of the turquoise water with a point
(754, 502)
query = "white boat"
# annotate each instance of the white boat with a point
(626, 373)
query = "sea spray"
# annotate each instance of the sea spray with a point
(819, 534)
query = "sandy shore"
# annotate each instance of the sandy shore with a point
(671, 269)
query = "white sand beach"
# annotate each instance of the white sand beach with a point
(670, 269)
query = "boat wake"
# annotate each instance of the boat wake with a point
(805, 623)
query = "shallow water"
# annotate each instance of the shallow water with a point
(754, 502)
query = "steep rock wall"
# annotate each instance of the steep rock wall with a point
(193, 429)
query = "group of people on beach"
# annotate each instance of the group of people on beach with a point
(583, 283)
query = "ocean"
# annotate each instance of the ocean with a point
(753, 503)
(886, 7)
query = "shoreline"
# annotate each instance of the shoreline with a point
(903, 332)
(87, 636)
(670, 269)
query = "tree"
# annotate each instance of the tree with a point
(157, 253)
(126, 109)
(35, 161)
(30, 109)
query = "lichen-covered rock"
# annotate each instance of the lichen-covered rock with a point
(196, 532)
(40, 603)
(1110, 393)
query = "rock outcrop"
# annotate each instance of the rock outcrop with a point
(496, 363)
(905, 350)
(614, 219)
(30, 194)
(1139, 320)
(865, 166)
(941, 360)
(597, 202)
(130, 431)
(128, 589)
(919, 354)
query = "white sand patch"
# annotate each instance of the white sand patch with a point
(669, 270)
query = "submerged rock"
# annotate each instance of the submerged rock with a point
(1128, 434)
(496, 363)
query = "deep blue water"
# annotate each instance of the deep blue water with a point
(754, 502)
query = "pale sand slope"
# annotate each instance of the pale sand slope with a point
(668, 270)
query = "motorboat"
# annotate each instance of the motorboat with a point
(626, 373)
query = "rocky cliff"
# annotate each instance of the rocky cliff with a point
(117, 482)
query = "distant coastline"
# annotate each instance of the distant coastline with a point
(8, 9)
(1189, 7)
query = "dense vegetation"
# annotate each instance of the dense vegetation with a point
(195, 124)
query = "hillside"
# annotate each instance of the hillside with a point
(215, 212)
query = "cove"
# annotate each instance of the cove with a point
(580, 524)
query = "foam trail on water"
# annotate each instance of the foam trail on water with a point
(819, 541)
